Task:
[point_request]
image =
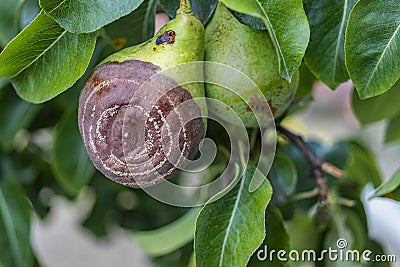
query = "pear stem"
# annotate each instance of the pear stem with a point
(184, 7)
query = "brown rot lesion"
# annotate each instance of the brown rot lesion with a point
(168, 37)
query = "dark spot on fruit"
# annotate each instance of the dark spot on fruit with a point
(118, 43)
(167, 37)
(273, 109)
(280, 86)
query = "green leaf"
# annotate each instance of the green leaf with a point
(253, 22)
(45, 60)
(390, 189)
(302, 231)
(168, 238)
(393, 130)
(71, 164)
(377, 108)
(283, 177)
(8, 11)
(141, 22)
(346, 230)
(230, 229)
(15, 115)
(325, 53)
(277, 239)
(287, 25)
(372, 46)
(203, 9)
(357, 162)
(29, 45)
(3, 82)
(307, 80)
(83, 16)
(15, 216)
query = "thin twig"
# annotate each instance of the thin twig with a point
(316, 164)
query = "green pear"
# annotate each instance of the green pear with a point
(251, 52)
(132, 124)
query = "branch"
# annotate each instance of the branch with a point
(318, 165)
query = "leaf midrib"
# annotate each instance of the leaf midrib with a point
(381, 57)
(275, 40)
(339, 39)
(231, 219)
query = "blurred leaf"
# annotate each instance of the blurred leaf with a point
(376, 249)
(83, 16)
(15, 217)
(192, 261)
(8, 11)
(287, 25)
(3, 82)
(134, 28)
(346, 232)
(393, 130)
(45, 60)
(203, 9)
(277, 239)
(15, 115)
(377, 108)
(253, 22)
(356, 161)
(325, 53)
(168, 238)
(302, 232)
(71, 164)
(307, 80)
(283, 178)
(231, 228)
(390, 189)
(28, 13)
(372, 46)
(307, 5)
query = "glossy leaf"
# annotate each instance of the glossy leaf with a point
(390, 189)
(29, 46)
(393, 130)
(16, 115)
(325, 53)
(168, 238)
(253, 22)
(83, 16)
(134, 28)
(45, 60)
(203, 9)
(71, 164)
(287, 25)
(15, 216)
(283, 177)
(372, 46)
(230, 229)
(379, 107)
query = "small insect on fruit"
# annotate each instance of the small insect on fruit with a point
(167, 37)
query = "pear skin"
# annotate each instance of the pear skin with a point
(252, 52)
